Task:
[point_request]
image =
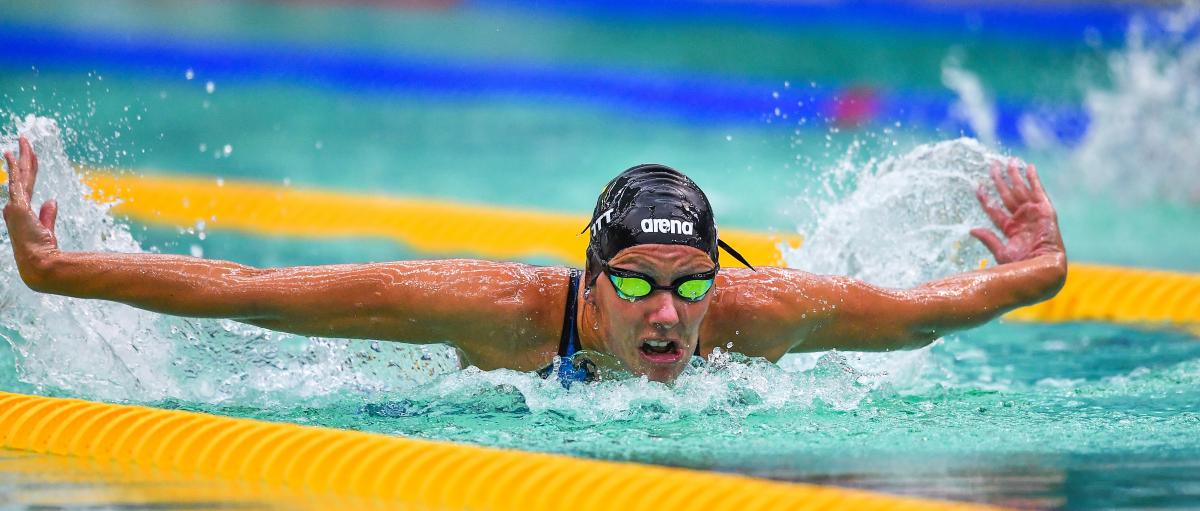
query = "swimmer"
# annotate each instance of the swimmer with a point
(650, 296)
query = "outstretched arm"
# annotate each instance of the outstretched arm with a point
(482, 307)
(1032, 267)
(814, 313)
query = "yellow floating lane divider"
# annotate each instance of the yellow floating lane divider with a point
(426, 225)
(47, 481)
(1092, 292)
(315, 468)
(1121, 295)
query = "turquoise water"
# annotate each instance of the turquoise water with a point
(1050, 416)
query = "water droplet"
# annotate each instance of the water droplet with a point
(209, 86)
(197, 250)
(728, 138)
(203, 147)
(227, 149)
(189, 74)
(220, 182)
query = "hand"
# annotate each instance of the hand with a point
(34, 243)
(1027, 219)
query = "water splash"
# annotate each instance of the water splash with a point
(973, 105)
(727, 385)
(103, 350)
(904, 221)
(1144, 127)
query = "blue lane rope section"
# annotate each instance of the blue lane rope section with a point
(691, 98)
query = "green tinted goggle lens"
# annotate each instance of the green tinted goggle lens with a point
(636, 287)
(631, 287)
(694, 289)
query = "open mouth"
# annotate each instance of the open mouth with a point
(658, 351)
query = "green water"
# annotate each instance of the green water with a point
(1057, 416)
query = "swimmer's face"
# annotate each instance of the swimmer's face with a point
(634, 331)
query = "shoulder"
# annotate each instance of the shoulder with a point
(765, 313)
(515, 312)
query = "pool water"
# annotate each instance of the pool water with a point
(1026, 415)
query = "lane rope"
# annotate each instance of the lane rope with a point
(323, 464)
(428, 226)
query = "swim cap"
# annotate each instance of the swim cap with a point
(651, 203)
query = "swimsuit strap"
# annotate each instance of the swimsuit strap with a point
(568, 342)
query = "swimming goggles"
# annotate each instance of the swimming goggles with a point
(631, 285)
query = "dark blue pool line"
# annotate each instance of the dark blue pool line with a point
(1064, 22)
(690, 98)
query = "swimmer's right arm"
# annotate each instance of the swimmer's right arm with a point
(481, 307)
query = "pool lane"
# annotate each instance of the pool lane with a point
(686, 97)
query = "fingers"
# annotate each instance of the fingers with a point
(1019, 190)
(28, 161)
(1035, 184)
(999, 217)
(14, 179)
(1006, 195)
(991, 241)
(48, 215)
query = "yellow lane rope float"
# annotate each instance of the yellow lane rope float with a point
(427, 226)
(1092, 292)
(1121, 295)
(317, 468)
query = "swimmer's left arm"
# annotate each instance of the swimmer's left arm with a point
(816, 313)
(1033, 268)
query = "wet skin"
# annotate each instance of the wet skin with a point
(510, 315)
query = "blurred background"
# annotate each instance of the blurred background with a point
(537, 104)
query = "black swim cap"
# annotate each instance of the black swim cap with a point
(651, 203)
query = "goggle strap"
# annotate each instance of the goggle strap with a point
(725, 246)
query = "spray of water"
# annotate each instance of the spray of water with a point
(1144, 121)
(973, 104)
(906, 220)
(897, 222)
(1141, 143)
(109, 351)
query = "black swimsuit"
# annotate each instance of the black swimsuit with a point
(568, 341)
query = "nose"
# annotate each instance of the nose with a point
(663, 314)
